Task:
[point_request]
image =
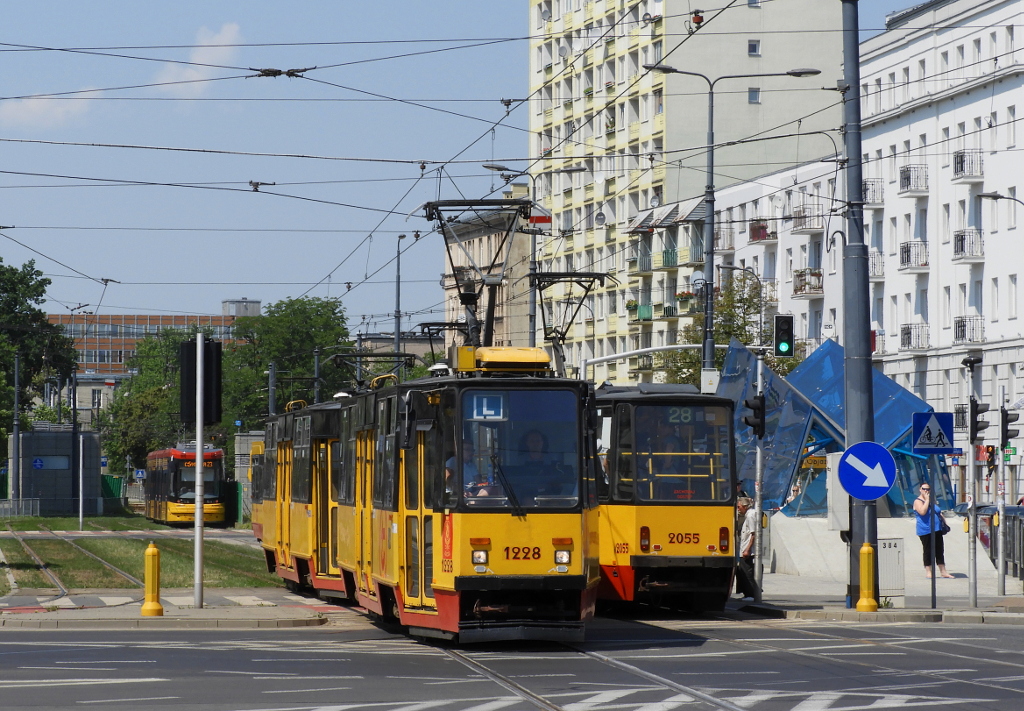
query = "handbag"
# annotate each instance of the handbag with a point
(943, 526)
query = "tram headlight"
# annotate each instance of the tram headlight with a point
(563, 557)
(479, 557)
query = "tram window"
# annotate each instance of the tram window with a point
(256, 487)
(412, 475)
(335, 471)
(302, 475)
(622, 476)
(412, 581)
(270, 474)
(428, 556)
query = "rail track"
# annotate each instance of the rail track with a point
(57, 583)
(127, 576)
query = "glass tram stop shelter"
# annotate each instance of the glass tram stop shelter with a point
(806, 419)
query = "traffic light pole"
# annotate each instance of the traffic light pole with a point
(759, 478)
(1001, 494)
(972, 518)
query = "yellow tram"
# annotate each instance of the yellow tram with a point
(667, 509)
(459, 506)
(170, 484)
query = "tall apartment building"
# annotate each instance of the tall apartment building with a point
(636, 210)
(941, 92)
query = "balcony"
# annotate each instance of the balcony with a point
(690, 306)
(876, 266)
(914, 257)
(914, 337)
(874, 192)
(808, 283)
(770, 291)
(692, 256)
(642, 363)
(724, 240)
(878, 342)
(639, 265)
(968, 247)
(961, 413)
(968, 166)
(641, 312)
(759, 233)
(914, 180)
(968, 330)
(666, 312)
(665, 259)
(807, 219)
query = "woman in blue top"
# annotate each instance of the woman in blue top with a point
(926, 523)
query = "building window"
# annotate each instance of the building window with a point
(1011, 208)
(1011, 126)
(754, 48)
(1012, 296)
(994, 304)
(753, 95)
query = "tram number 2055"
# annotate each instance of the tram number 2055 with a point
(684, 538)
(522, 553)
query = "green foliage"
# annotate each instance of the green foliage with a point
(737, 314)
(47, 413)
(45, 350)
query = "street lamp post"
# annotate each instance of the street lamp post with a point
(532, 308)
(709, 194)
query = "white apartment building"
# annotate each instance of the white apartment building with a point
(940, 95)
(640, 136)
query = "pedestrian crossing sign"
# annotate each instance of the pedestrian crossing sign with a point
(933, 433)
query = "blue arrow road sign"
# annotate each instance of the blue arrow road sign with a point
(933, 433)
(37, 463)
(867, 471)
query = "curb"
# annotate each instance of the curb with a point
(966, 617)
(162, 623)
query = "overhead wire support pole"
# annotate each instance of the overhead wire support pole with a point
(860, 411)
(759, 480)
(1001, 499)
(199, 488)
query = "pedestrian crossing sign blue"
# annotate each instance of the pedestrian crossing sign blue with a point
(933, 433)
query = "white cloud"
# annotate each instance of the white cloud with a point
(43, 113)
(229, 33)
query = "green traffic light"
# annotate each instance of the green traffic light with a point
(784, 347)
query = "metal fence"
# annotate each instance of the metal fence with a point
(9, 508)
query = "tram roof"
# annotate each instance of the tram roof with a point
(655, 392)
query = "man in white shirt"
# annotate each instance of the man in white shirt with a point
(746, 580)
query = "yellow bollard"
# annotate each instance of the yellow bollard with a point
(152, 606)
(867, 602)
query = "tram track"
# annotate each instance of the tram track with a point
(114, 569)
(61, 588)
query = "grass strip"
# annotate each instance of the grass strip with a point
(76, 570)
(224, 566)
(125, 522)
(26, 572)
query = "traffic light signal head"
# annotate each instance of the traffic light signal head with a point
(990, 456)
(785, 341)
(756, 418)
(1007, 418)
(977, 426)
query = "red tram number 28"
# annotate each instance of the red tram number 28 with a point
(524, 553)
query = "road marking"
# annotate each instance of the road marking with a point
(114, 701)
(864, 654)
(299, 598)
(112, 600)
(303, 691)
(59, 602)
(75, 668)
(249, 601)
(602, 697)
(289, 678)
(672, 702)
(13, 684)
(118, 661)
(820, 700)
(180, 601)
(494, 705)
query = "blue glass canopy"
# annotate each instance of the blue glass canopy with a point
(806, 418)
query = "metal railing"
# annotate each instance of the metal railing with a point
(968, 243)
(876, 264)
(808, 281)
(808, 218)
(960, 415)
(9, 508)
(914, 178)
(914, 336)
(913, 254)
(968, 163)
(968, 329)
(724, 239)
(874, 191)
(665, 259)
(758, 232)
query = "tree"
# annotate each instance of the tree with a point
(44, 349)
(738, 314)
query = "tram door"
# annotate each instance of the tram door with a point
(322, 499)
(285, 462)
(419, 527)
(366, 442)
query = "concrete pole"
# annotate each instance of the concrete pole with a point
(709, 238)
(1001, 503)
(398, 294)
(81, 481)
(860, 411)
(758, 481)
(972, 517)
(272, 389)
(316, 375)
(200, 493)
(15, 468)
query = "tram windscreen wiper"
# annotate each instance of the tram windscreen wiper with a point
(510, 494)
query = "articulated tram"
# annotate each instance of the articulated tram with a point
(170, 485)
(462, 506)
(667, 508)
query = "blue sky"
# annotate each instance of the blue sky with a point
(181, 230)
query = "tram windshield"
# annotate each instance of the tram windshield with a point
(519, 450)
(682, 453)
(185, 484)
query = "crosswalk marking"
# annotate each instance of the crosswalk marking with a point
(249, 601)
(116, 600)
(299, 598)
(59, 602)
(180, 600)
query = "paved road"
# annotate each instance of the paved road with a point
(650, 665)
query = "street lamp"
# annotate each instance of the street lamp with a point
(709, 194)
(509, 174)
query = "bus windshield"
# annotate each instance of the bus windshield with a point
(519, 450)
(186, 480)
(682, 453)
